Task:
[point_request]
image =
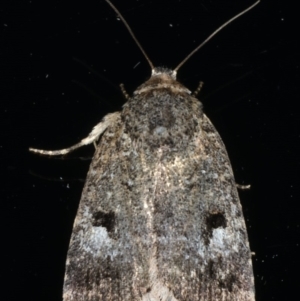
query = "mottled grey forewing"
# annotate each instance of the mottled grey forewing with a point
(203, 250)
(160, 218)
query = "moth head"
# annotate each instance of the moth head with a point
(164, 72)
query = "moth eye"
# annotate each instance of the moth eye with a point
(103, 219)
(216, 220)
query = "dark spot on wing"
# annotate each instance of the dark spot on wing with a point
(214, 221)
(103, 219)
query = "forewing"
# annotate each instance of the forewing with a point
(160, 218)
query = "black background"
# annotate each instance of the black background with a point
(61, 64)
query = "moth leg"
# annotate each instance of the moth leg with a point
(126, 95)
(91, 138)
(197, 91)
(242, 187)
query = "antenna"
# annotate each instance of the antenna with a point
(131, 33)
(214, 33)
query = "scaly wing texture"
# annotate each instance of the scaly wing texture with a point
(160, 218)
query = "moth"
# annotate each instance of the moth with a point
(159, 218)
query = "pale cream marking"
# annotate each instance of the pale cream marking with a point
(108, 120)
(158, 290)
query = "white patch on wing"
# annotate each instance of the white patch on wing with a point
(95, 240)
(217, 240)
